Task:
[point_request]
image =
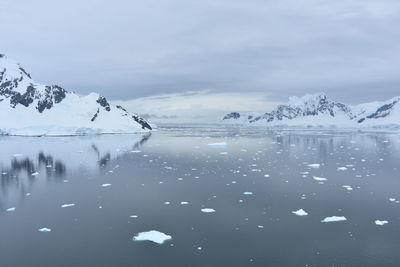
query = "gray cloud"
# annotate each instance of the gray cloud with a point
(128, 49)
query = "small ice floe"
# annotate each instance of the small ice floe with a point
(392, 199)
(65, 181)
(49, 166)
(153, 236)
(218, 144)
(342, 168)
(247, 193)
(167, 203)
(106, 185)
(34, 173)
(44, 230)
(266, 175)
(133, 216)
(380, 223)
(168, 168)
(334, 219)
(208, 210)
(260, 226)
(223, 153)
(314, 165)
(17, 155)
(28, 194)
(135, 151)
(67, 205)
(300, 212)
(348, 187)
(184, 203)
(11, 209)
(319, 179)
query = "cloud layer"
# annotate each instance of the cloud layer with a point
(125, 49)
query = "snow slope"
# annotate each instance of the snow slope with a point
(31, 108)
(316, 110)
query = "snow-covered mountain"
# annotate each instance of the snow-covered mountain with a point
(31, 108)
(317, 110)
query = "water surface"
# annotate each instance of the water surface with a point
(252, 178)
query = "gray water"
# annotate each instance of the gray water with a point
(178, 164)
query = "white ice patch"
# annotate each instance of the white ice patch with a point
(380, 223)
(300, 212)
(44, 230)
(208, 210)
(218, 144)
(341, 168)
(11, 209)
(334, 219)
(35, 174)
(184, 203)
(348, 187)
(153, 236)
(247, 193)
(105, 185)
(320, 179)
(314, 165)
(67, 205)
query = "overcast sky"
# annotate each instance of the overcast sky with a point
(245, 49)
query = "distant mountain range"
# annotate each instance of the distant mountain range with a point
(317, 110)
(31, 108)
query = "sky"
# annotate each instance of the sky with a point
(204, 58)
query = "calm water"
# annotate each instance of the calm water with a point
(178, 164)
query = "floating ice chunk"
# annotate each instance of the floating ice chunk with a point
(334, 219)
(105, 185)
(314, 165)
(218, 144)
(223, 153)
(316, 178)
(184, 203)
(247, 193)
(208, 210)
(260, 226)
(378, 222)
(35, 174)
(11, 209)
(266, 175)
(135, 151)
(167, 202)
(153, 236)
(133, 216)
(348, 187)
(44, 230)
(392, 199)
(341, 168)
(67, 205)
(300, 212)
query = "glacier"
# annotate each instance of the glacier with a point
(317, 110)
(34, 109)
